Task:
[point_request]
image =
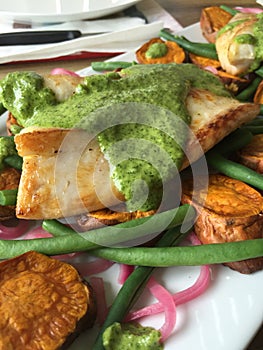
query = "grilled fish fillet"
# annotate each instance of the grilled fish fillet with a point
(64, 176)
(236, 58)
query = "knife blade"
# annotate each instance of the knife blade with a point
(37, 37)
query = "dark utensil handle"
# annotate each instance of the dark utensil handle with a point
(38, 37)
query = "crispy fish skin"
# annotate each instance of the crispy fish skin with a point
(49, 191)
(229, 211)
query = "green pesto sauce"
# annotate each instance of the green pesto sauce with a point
(156, 50)
(230, 26)
(131, 336)
(258, 33)
(245, 39)
(7, 148)
(138, 115)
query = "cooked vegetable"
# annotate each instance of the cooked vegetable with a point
(201, 49)
(228, 9)
(248, 93)
(8, 197)
(14, 161)
(233, 142)
(110, 65)
(184, 256)
(109, 217)
(233, 82)
(252, 154)
(212, 19)
(258, 96)
(228, 210)
(203, 61)
(159, 51)
(133, 287)
(44, 303)
(9, 180)
(234, 170)
(68, 241)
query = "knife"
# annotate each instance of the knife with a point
(37, 37)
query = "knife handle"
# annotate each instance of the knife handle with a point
(37, 37)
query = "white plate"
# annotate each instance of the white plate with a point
(55, 11)
(225, 317)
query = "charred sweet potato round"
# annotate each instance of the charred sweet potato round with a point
(258, 97)
(173, 53)
(252, 154)
(202, 61)
(9, 179)
(44, 303)
(230, 211)
(109, 217)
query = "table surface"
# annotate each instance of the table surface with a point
(186, 12)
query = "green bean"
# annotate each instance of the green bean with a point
(261, 109)
(201, 49)
(205, 254)
(255, 122)
(233, 142)
(110, 65)
(71, 242)
(130, 230)
(8, 197)
(228, 9)
(56, 228)
(259, 71)
(133, 287)
(254, 129)
(248, 93)
(15, 161)
(234, 170)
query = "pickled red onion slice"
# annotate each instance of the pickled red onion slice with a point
(11, 232)
(125, 271)
(63, 71)
(166, 300)
(249, 9)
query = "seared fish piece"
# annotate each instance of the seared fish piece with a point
(236, 57)
(64, 176)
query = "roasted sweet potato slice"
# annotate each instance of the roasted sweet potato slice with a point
(231, 211)
(9, 179)
(172, 53)
(258, 97)
(109, 217)
(212, 19)
(233, 83)
(202, 61)
(44, 303)
(252, 154)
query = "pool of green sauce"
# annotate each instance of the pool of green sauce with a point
(131, 336)
(138, 116)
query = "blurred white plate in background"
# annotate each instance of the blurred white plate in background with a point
(56, 11)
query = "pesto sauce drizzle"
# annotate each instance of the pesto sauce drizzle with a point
(258, 34)
(141, 110)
